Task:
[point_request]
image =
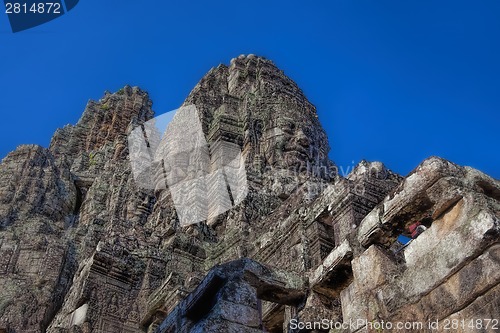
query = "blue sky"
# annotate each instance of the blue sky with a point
(394, 81)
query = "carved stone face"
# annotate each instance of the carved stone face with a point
(279, 127)
(290, 144)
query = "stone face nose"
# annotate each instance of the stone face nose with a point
(302, 139)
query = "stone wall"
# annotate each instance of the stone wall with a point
(83, 248)
(449, 272)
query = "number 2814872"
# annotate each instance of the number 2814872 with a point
(34, 8)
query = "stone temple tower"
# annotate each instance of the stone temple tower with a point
(84, 248)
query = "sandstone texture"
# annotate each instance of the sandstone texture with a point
(84, 248)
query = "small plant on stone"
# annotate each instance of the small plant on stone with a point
(92, 160)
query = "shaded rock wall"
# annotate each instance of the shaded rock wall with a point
(38, 198)
(451, 270)
(448, 277)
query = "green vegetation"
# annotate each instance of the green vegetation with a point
(92, 160)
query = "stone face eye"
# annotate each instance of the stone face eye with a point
(289, 128)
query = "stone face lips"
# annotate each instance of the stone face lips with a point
(83, 248)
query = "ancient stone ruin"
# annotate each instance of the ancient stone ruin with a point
(84, 249)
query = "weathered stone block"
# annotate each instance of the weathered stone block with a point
(374, 268)
(335, 272)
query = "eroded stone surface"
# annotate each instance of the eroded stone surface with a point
(84, 249)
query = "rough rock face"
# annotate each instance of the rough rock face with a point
(84, 249)
(37, 202)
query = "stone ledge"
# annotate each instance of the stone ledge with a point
(335, 268)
